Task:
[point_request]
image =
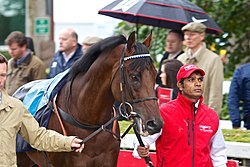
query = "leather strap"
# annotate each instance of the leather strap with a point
(58, 116)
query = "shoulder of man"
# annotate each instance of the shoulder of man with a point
(182, 57)
(244, 66)
(79, 50)
(211, 53)
(210, 112)
(37, 61)
(11, 101)
(169, 106)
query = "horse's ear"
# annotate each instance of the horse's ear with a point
(147, 41)
(131, 42)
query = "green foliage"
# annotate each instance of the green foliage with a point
(12, 17)
(158, 41)
(6, 54)
(233, 17)
(224, 111)
(124, 125)
(236, 135)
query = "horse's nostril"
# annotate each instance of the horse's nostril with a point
(153, 126)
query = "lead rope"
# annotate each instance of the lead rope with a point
(147, 159)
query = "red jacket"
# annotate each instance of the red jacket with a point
(185, 138)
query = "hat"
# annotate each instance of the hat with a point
(90, 40)
(195, 27)
(186, 70)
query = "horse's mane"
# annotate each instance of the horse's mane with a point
(83, 63)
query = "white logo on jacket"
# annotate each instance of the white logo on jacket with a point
(54, 64)
(206, 128)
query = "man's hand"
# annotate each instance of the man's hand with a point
(77, 145)
(143, 151)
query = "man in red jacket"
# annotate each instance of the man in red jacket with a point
(191, 136)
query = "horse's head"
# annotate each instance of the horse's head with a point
(137, 81)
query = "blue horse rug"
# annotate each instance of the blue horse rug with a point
(37, 97)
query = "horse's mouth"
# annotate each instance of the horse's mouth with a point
(140, 127)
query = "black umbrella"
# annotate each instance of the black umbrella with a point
(172, 14)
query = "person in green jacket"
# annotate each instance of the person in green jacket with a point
(15, 118)
(24, 66)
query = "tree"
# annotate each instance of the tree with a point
(232, 16)
(12, 17)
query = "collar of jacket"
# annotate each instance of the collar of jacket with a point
(186, 102)
(6, 102)
(25, 62)
(76, 52)
(199, 54)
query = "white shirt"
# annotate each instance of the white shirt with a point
(67, 57)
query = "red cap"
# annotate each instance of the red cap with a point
(186, 70)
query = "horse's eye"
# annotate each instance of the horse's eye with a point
(134, 77)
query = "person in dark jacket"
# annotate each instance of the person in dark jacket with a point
(173, 49)
(30, 44)
(239, 97)
(70, 51)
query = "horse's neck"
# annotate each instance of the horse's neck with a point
(91, 93)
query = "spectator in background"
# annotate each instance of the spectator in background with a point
(89, 41)
(174, 40)
(196, 53)
(168, 74)
(69, 51)
(239, 97)
(15, 118)
(23, 66)
(191, 135)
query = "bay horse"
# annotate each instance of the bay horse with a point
(114, 69)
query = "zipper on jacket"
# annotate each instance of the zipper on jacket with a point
(193, 145)
(162, 162)
(193, 134)
(188, 131)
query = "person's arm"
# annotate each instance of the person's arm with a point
(218, 150)
(46, 140)
(140, 151)
(234, 99)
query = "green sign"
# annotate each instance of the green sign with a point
(42, 25)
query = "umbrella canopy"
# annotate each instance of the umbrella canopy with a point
(172, 14)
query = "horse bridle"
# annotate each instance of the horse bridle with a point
(124, 102)
(122, 108)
